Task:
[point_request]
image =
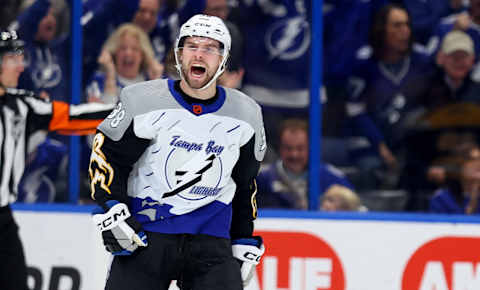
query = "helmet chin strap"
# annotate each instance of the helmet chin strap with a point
(214, 78)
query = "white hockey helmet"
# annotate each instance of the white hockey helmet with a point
(205, 26)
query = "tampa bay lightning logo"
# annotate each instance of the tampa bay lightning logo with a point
(288, 39)
(197, 178)
(46, 73)
(187, 178)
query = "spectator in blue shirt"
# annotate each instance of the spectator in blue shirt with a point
(283, 184)
(456, 81)
(384, 90)
(427, 14)
(461, 194)
(47, 51)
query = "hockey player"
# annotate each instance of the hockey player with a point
(173, 169)
(21, 113)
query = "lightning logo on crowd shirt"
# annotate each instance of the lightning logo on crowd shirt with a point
(294, 38)
(191, 173)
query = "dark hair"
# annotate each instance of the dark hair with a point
(293, 124)
(377, 31)
(454, 172)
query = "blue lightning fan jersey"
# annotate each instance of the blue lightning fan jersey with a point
(182, 165)
(278, 38)
(47, 63)
(347, 23)
(278, 33)
(382, 98)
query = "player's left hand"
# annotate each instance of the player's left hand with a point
(248, 251)
(121, 232)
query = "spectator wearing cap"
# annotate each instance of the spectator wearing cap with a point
(455, 80)
(467, 21)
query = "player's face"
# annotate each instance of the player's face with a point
(294, 150)
(200, 58)
(128, 56)
(12, 66)
(47, 28)
(146, 15)
(397, 30)
(458, 64)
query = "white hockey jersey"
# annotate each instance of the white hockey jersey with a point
(189, 163)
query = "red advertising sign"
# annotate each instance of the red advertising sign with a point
(298, 261)
(449, 263)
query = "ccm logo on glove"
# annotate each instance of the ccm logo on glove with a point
(118, 212)
(252, 257)
(122, 234)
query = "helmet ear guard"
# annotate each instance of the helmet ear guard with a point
(205, 26)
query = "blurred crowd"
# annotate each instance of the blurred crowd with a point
(400, 97)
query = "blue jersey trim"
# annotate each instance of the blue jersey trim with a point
(53, 207)
(370, 216)
(247, 241)
(212, 219)
(205, 108)
(291, 214)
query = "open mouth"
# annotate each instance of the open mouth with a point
(197, 70)
(128, 63)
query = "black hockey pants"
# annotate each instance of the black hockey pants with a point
(197, 262)
(13, 269)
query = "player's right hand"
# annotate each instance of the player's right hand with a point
(121, 232)
(248, 252)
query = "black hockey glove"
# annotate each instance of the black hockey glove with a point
(248, 251)
(122, 233)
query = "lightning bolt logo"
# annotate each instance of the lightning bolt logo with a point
(190, 173)
(286, 47)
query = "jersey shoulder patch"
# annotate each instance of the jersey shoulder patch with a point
(135, 100)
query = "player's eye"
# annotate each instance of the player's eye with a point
(191, 47)
(212, 50)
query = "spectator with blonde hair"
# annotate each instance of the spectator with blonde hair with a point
(341, 198)
(127, 57)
